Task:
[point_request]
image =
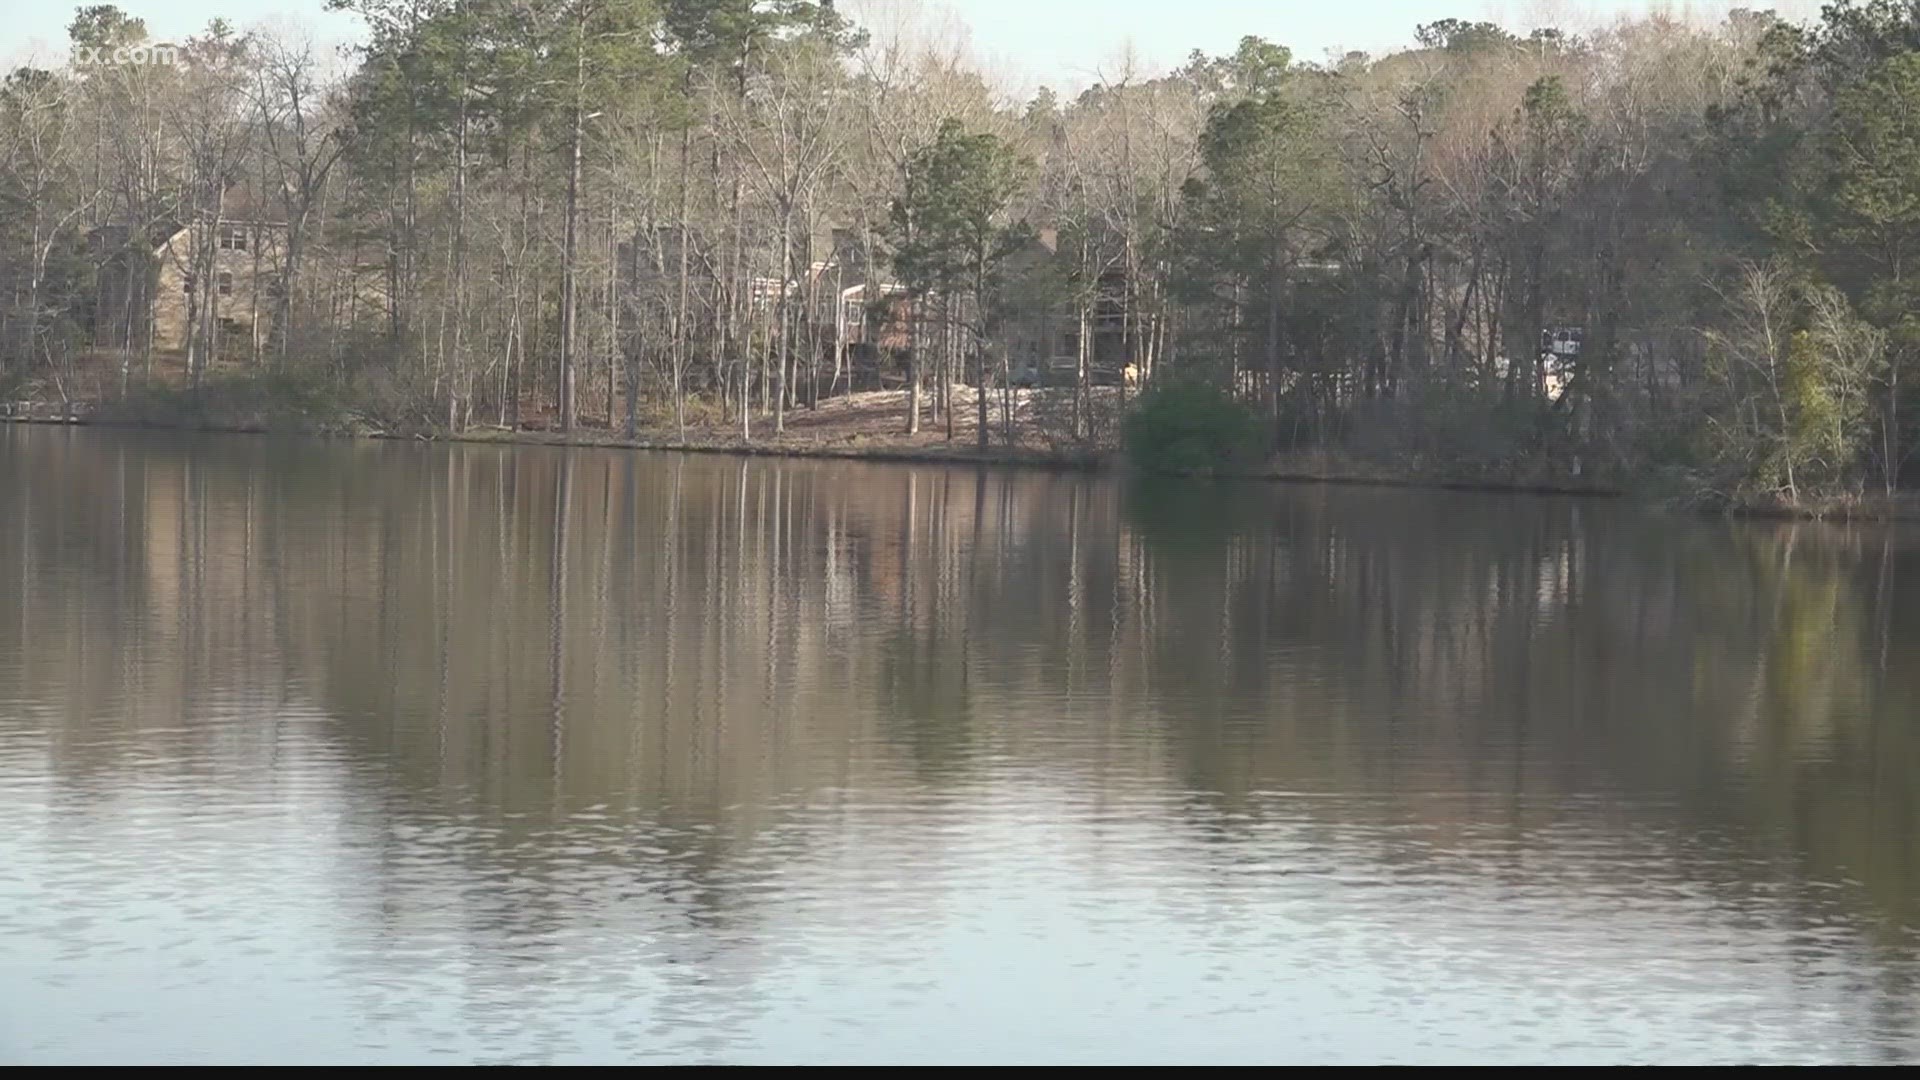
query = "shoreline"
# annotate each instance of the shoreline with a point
(940, 453)
(1300, 467)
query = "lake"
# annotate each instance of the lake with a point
(331, 751)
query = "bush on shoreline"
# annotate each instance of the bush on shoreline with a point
(279, 400)
(1191, 429)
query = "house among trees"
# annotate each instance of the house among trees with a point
(216, 281)
(862, 326)
(848, 314)
(1046, 319)
(225, 272)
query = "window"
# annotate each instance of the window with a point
(233, 238)
(225, 282)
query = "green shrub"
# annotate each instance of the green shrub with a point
(1191, 429)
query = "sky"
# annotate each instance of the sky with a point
(1061, 43)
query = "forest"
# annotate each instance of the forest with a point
(1661, 254)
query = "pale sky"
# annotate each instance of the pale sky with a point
(1064, 43)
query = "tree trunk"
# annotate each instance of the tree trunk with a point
(569, 256)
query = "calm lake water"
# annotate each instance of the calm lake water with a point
(384, 752)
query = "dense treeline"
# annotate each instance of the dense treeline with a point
(1658, 251)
